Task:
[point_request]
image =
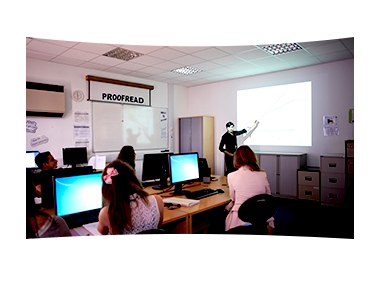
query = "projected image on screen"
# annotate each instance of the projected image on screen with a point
(79, 193)
(283, 113)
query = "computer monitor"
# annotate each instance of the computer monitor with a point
(74, 156)
(78, 199)
(183, 168)
(30, 159)
(156, 167)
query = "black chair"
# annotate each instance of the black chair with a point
(151, 235)
(256, 210)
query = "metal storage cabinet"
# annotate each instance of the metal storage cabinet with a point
(332, 179)
(349, 173)
(281, 169)
(196, 134)
(309, 184)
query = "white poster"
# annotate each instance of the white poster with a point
(330, 125)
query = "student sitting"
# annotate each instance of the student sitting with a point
(39, 224)
(46, 162)
(248, 181)
(129, 209)
(128, 155)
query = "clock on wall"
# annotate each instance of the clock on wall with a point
(78, 95)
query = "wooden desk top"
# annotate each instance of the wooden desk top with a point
(205, 203)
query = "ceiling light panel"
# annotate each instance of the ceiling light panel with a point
(122, 54)
(186, 70)
(281, 48)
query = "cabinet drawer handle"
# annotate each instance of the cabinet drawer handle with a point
(308, 178)
(308, 193)
(333, 196)
(332, 165)
(332, 180)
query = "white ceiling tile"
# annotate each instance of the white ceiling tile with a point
(227, 60)
(39, 55)
(67, 61)
(236, 49)
(262, 41)
(168, 65)
(45, 47)
(108, 61)
(252, 55)
(335, 56)
(94, 66)
(110, 40)
(187, 60)
(81, 55)
(147, 60)
(166, 53)
(96, 48)
(67, 41)
(312, 41)
(128, 65)
(328, 48)
(217, 63)
(210, 53)
(188, 49)
(141, 48)
(206, 65)
(302, 62)
(152, 71)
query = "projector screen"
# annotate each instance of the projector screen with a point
(283, 113)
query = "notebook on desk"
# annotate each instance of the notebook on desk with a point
(182, 201)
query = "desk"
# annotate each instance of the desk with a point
(201, 216)
(194, 219)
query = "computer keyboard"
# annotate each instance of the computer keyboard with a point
(199, 194)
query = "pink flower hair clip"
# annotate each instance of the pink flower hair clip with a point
(111, 172)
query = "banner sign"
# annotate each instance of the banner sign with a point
(107, 92)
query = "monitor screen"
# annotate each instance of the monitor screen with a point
(30, 159)
(74, 156)
(78, 199)
(156, 167)
(183, 167)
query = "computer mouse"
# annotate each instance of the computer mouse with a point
(220, 191)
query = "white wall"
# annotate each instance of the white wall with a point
(59, 131)
(332, 94)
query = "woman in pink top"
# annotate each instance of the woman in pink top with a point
(248, 181)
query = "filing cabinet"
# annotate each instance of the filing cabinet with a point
(309, 184)
(349, 173)
(333, 179)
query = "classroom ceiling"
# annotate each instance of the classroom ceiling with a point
(216, 63)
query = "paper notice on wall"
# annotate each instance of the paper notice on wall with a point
(81, 117)
(164, 125)
(81, 131)
(330, 125)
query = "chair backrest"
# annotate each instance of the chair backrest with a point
(151, 235)
(258, 209)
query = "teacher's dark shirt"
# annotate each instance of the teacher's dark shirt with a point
(228, 141)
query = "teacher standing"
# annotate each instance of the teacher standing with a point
(228, 145)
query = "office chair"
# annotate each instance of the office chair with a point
(256, 210)
(151, 235)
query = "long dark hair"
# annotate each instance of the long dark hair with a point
(127, 154)
(244, 156)
(117, 195)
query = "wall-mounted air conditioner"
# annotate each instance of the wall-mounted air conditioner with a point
(47, 100)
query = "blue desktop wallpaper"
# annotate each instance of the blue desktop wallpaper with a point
(80, 193)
